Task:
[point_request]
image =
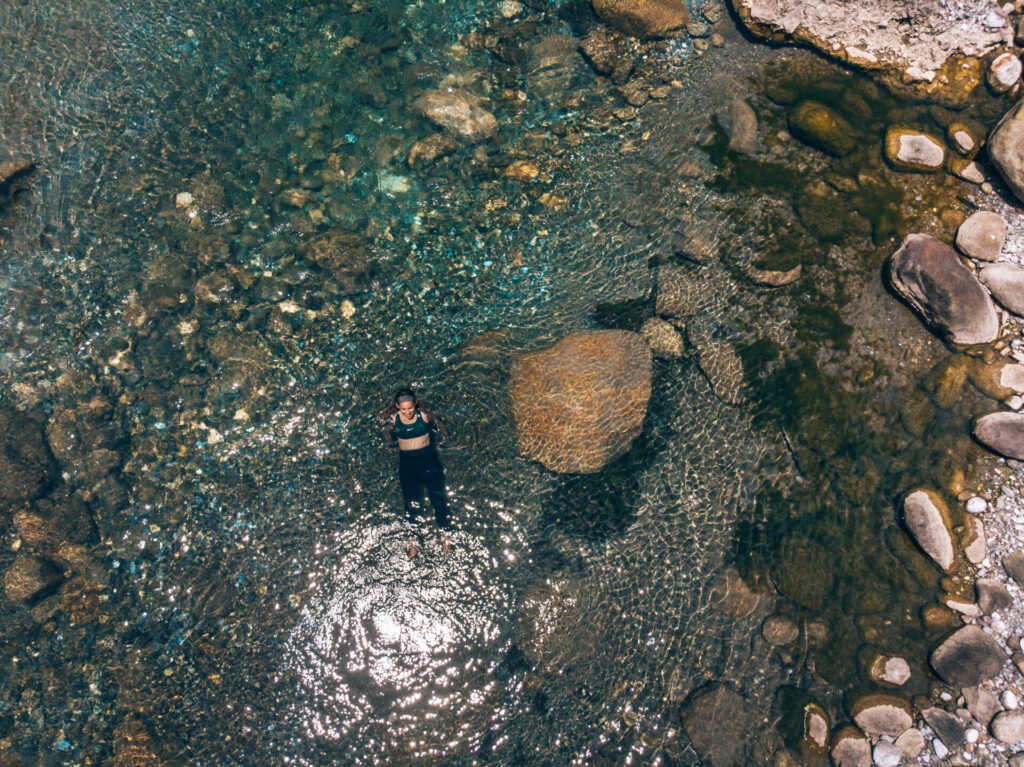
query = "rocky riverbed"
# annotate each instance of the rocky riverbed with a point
(770, 535)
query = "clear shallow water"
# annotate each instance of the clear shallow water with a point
(261, 608)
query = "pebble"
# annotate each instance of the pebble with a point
(940, 748)
(1008, 699)
(887, 754)
(971, 734)
(183, 199)
(977, 505)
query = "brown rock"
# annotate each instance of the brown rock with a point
(850, 748)
(720, 724)
(579, 404)
(774, 279)
(11, 169)
(346, 257)
(1002, 433)
(644, 18)
(30, 578)
(430, 149)
(927, 520)
(455, 113)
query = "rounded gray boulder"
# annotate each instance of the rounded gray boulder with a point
(1002, 433)
(928, 275)
(968, 657)
(1006, 149)
(1006, 283)
(982, 235)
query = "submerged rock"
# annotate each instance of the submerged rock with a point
(912, 150)
(801, 571)
(968, 657)
(774, 279)
(928, 274)
(599, 51)
(822, 128)
(720, 724)
(742, 127)
(346, 257)
(665, 341)
(1003, 72)
(430, 149)
(644, 18)
(883, 668)
(1006, 282)
(455, 113)
(12, 169)
(1000, 380)
(962, 138)
(1006, 149)
(927, 520)
(1002, 433)
(681, 293)
(30, 578)
(982, 235)
(718, 361)
(882, 714)
(850, 748)
(26, 468)
(778, 630)
(605, 374)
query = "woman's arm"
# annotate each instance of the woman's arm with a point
(437, 423)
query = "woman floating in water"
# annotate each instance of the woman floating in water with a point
(410, 427)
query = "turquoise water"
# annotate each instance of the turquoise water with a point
(260, 608)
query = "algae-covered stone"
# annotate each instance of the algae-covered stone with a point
(1006, 283)
(939, 619)
(644, 18)
(968, 657)
(882, 714)
(883, 668)
(801, 569)
(803, 724)
(720, 724)
(962, 138)
(999, 380)
(778, 630)
(822, 128)
(1002, 433)
(927, 520)
(945, 382)
(968, 170)
(982, 235)
(928, 274)
(1003, 72)
(907, 149)
(742, 127)
(604, 373)
(850, 748)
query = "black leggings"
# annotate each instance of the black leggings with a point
(418, 469)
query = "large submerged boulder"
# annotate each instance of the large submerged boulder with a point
(721, 725)
(457, 114)
(643, 18)
(579, 404)
(928, 274)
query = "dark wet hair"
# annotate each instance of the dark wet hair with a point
(405, 393)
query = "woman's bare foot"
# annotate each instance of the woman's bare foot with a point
(444, 541)
(412, 547)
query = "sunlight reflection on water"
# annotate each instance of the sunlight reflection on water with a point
(388, 639)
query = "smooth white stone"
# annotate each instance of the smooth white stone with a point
(976, 505)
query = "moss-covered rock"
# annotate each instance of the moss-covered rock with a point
(822, 128)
